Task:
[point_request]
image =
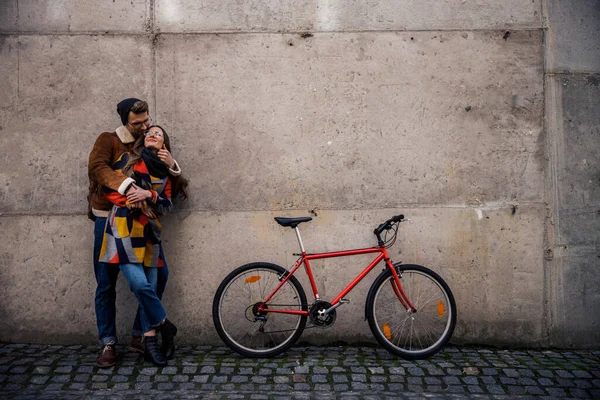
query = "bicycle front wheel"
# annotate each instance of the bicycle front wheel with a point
(411, 335)
(242, 326)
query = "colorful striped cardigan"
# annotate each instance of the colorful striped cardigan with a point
(129, 235)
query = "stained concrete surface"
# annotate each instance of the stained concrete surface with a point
(574, 29)
(572, 128)
(355, 120)
(482, 253)
(575, 139)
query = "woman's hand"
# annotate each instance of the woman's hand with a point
(136, 194)
(166, 156)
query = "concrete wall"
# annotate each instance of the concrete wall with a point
(573, 179)
(385, 108)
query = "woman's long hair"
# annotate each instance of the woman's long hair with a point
(179, 183)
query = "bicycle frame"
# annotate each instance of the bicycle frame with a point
(305, 259)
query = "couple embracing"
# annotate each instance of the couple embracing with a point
(133, 180)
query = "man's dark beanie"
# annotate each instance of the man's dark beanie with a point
(124, 107)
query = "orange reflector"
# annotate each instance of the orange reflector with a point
(441, 309)
(252, 279)
(387, 331)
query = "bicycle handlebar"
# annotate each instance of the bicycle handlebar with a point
(387, 225)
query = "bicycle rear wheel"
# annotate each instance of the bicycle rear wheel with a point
(411, 335)
(237, 319)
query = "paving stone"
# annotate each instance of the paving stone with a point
(190, 369)
(201, 378)
(489, 380)
(106, 371)
(125, 371)
(414, 380)
(61, 378)
(287, 371)
(64, 370)
(301, 386)
(165, 386)
(535, 390)
(397, 371)
(169, 371)
(545, 382)
(489, 371)
(431, 381)
(434, 388)
(582, 384)
(259, 379)
(39, 379)
(579, 393)
(416, 371)
(162, 378)
(358, 386)
(451, 380)
(415, 388)
(301, 370)
(180, 378)
(581, 374)
(149, 371)
(558, 392)
(508, 381)
(527, 382)
(475, 389)
(119, 378)
(378, 378)
(376, 370)
(470, 380)
(17, 378)
(526, 373)
(435, 371)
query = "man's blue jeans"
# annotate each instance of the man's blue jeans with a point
(106, 280)
(142, 282)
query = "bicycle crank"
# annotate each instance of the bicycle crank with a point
(319, 317)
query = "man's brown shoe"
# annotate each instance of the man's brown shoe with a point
(108, 356)
(136, 345)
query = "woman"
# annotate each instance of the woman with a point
(132, 237)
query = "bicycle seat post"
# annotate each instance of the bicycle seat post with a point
(299, 239)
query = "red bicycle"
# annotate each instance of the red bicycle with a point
(260, 309)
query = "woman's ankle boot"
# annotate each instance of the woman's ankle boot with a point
(152, 352)
(168, 331)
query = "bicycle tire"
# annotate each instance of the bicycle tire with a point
(235, 321)
(417, 335)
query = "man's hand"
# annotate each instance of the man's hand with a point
(136, 194)
(166, 156)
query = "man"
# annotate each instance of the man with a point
(108, 148)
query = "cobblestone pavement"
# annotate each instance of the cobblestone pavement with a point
(69, 372)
